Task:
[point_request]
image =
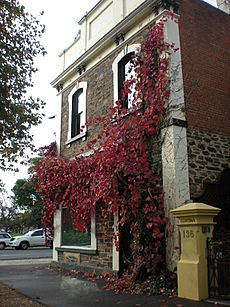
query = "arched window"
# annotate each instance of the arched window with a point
(77, 112)
(121, 72)
(124, 73)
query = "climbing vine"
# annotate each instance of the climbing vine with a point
(118, 173)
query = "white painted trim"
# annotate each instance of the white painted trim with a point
(93, 245)
(78, 86)
(96, 17)
(84, 247)
(77, 137)
(93, 231)
(57, 234)
(115, 252)
(174, 146)
(127, 49)
(176, 100)
(70, 74)
(58, 120)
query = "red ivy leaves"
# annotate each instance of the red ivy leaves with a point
(118, 173)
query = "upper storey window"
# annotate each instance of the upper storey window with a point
(77, 112)
(123, 71)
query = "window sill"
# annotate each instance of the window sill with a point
(77, 137)
(78, 249)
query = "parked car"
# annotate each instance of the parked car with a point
(4, 239)
(32, 238)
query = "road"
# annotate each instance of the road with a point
(30, 253)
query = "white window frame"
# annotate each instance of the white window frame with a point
(93, 245)
(79, 85)
(127, 49)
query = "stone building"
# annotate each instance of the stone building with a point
(195, 150)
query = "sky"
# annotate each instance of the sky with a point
(61, 20)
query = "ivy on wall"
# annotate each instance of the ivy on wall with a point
(119, 173)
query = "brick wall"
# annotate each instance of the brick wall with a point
(205, 41)
(208, 156)
(205, 45)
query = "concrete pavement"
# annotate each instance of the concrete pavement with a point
(25, 262)
(54, 289)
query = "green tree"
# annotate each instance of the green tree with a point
(28, 201)
(20, 34)
(8, 212)
(26, 204)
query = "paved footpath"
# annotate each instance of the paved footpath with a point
(54, 289)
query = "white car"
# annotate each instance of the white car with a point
(4, 239)
(32, 238)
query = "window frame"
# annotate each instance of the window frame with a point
(37, 233)
(80, 86)
(128, 49)
(122, 77)
(93, 244)
(76, 114)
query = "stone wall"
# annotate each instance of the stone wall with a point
(104, 235)
(208, 155)
(99, 99)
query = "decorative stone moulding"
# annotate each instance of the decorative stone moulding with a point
(59, 87)
(81, 69)
(195, 213)
(119, 38)
(171, 5)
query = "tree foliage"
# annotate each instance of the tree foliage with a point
(20, 34)
(28, 203)
(25, 195)
(26, 198)
(8, 211)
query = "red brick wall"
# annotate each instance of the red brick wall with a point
(205, 45)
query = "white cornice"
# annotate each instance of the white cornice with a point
(140, 12)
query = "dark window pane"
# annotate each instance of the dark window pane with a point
(76, 113)
(37, 233)
(71, 236)
(124, 74)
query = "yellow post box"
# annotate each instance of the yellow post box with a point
(195, 227)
